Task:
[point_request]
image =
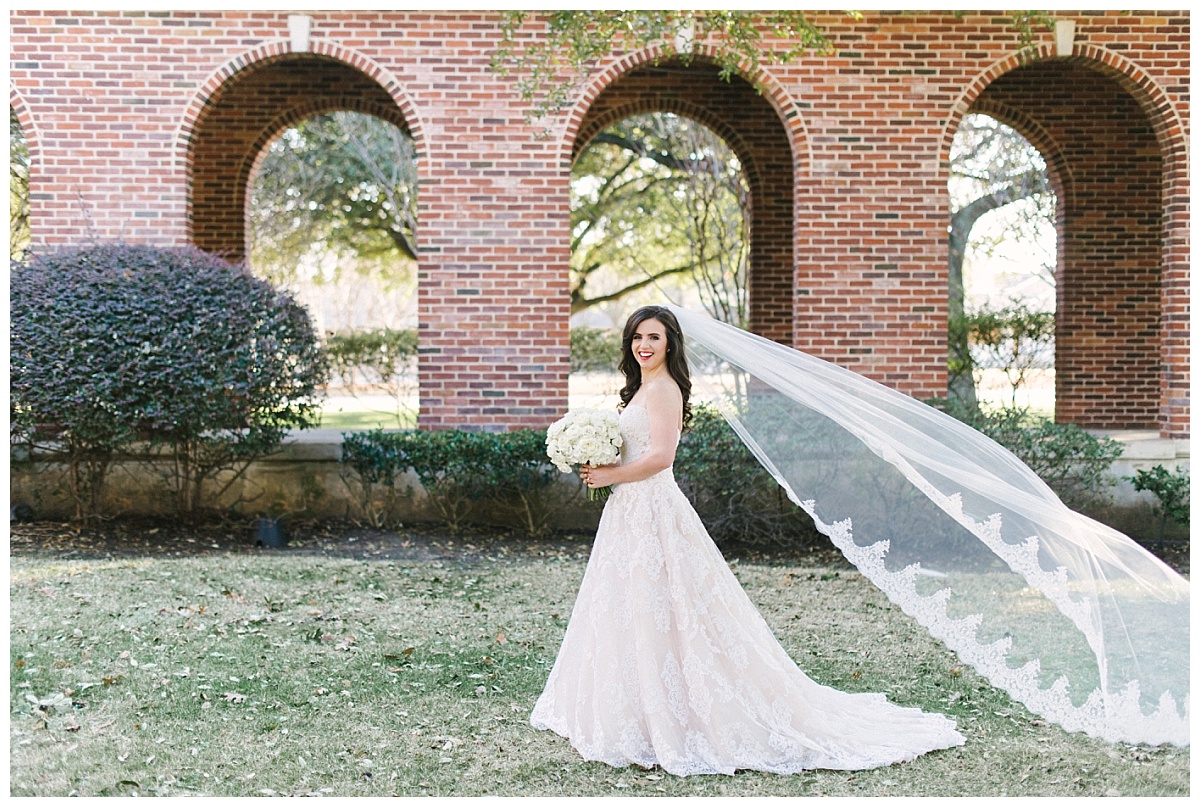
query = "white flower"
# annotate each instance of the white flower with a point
(584, 437)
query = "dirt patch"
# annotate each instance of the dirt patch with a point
(155, 538)
(121, 538)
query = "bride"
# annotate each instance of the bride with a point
(665, 660)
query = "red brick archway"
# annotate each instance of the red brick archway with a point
(751, 129)
(119, 103)
(1113, 337)
(244, 112)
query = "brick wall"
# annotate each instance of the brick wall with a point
(146, 126)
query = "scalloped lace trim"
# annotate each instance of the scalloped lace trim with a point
(1118, 719)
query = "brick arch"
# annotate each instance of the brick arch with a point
(1155, 102)
(1117, 141)
(217, 82)
(696, 112)
(771, 89)
(296, 115)
(28, 125)
(763, 128)
(247, 102)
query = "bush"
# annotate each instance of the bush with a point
(451, 466)
(117, 343)
(1073, 462)
(738, 499)
(377, 458)
(522, 482)
(1173, 491)
(594, 350)
(509, 471)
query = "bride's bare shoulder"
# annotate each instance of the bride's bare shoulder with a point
(663, 394)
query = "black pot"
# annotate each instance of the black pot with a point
(269, 532)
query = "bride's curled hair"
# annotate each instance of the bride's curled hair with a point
(677, 364)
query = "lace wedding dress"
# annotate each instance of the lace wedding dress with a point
(667, 662)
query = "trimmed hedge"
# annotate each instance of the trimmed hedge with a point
(509, 471)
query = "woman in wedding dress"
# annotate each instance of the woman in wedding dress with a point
(665, 660)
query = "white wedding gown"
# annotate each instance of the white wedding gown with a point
(666, 661)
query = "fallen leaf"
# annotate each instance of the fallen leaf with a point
(500, 638)
(234, 697)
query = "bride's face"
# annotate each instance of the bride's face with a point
(649, 345)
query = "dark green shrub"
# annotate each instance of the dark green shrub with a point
(180, 350)
(451, 465)
(594, 350)
(507, 471)
(1173, 491)
(1072, 461)
(378, 459)
(735, 496)
(452, 468)
(521, 481)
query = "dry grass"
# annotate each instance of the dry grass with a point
(276, 674)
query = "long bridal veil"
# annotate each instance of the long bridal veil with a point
(1072, 618)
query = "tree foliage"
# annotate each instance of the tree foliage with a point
(342, 183)
(659, 197)
(18, 188)
(553, 53)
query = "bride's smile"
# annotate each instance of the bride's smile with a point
(649, 345)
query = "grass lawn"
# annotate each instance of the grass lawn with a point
(268, 673)
(366, 412)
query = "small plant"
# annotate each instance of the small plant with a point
(522, 482)
(450, 465)
(1014, 339)
(377, 459)
(1173, 491)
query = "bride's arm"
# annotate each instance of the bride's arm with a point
(664, 407)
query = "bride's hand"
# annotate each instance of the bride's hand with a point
(598, 476)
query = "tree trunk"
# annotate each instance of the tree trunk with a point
(962, 384)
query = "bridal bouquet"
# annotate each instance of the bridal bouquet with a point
(585, 437)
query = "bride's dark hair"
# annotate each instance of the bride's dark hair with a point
(676, 360)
